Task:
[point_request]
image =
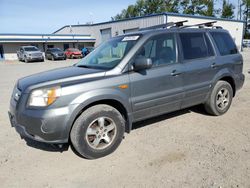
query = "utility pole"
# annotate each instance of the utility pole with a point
(238, 10)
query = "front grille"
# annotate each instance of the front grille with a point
(36, 54)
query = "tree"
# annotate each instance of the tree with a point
(227, 10)
(198, 7)
(246, 15)
(146, 7)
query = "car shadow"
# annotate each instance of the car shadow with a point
(64, 147)
(46, 146)
(196, 109)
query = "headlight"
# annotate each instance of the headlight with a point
(44, 97)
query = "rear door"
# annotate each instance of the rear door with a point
(159, 89)
(228, 57)
(198, 57)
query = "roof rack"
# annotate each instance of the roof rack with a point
(164, 26)
(203, 25)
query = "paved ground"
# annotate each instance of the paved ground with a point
(183, 149)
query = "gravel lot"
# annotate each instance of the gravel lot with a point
(183, 149)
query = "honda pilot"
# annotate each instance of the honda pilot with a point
(125, 80)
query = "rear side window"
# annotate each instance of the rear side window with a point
(225, 43)
(195, 45)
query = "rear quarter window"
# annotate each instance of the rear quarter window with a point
(224, 43)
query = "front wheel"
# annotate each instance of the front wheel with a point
(98, 131)
(220, 99)
(26, 60)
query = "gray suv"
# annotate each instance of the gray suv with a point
(125, 80)
(29, 53)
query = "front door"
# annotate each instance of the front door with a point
(159, 89)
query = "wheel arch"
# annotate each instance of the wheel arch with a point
(227, 76)
(231, 81)
(117, 104)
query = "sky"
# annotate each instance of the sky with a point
(46, 16)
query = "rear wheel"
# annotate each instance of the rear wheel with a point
(98, 131)
(220, 99)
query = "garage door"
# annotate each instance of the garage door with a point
(105, 34)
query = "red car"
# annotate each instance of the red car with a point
(73, 53)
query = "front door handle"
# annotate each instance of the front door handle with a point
(175, 73)
(214, 65)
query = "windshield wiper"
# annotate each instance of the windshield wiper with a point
(84, 66)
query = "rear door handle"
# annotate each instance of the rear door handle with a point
(175, 73)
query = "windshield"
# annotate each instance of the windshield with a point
(55, 50)
(110, 53)
(30, 49)
(74, 50)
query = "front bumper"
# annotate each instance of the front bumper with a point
(76, 56)
(60, 57)
(43, 125)
(21, 130)
(31, 58)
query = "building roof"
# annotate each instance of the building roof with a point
(15, 37)
(151, 15)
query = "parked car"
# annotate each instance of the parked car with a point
(55, 54)
(29, 53)
(246, 43)
(125, 80)
(73, 53)
(87, 50)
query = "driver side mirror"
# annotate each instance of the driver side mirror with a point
(142, 63)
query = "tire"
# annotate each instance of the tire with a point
(220, 99)
(26, 60)
(105, 126)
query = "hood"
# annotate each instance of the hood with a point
(53, 75)
(76, 52)
(33, 52)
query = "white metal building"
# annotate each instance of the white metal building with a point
(80, 36)
(103, 31)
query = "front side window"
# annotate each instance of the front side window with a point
(225, 43)
(161, 49)
(110, 53)
(195, 46)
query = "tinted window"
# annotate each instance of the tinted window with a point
(30, 49)
(195, 45)
(209, 46)
(161, 49)
(225, 43)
